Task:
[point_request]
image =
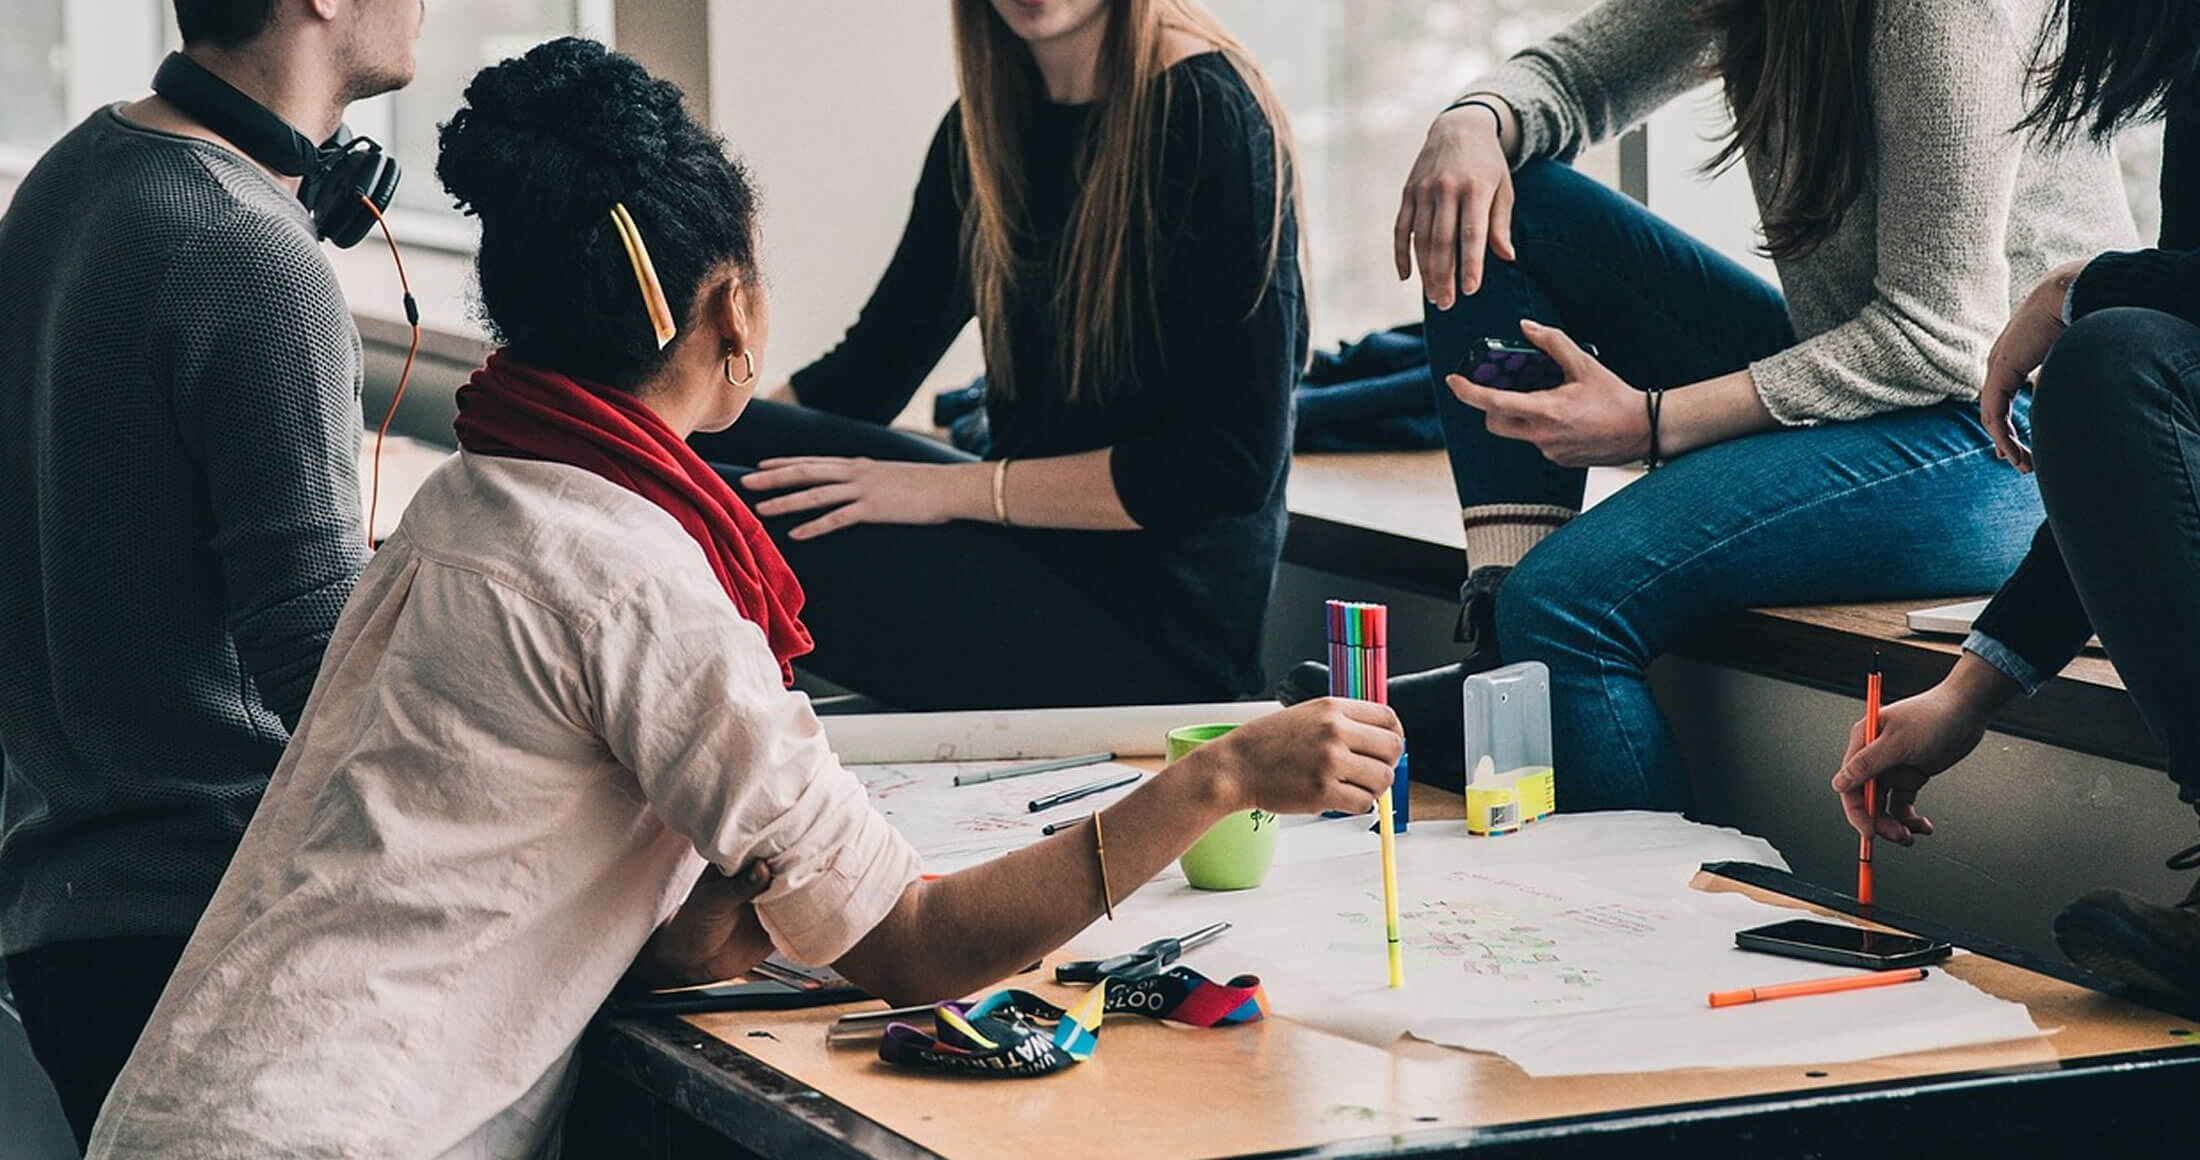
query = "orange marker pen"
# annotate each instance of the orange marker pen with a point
(1817, 987)
(1871, 788)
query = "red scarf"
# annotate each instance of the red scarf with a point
(515, 410)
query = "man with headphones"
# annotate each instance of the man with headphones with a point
(179, 444)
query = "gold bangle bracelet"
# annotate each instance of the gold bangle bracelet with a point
(1000, 492)
(1100, 854)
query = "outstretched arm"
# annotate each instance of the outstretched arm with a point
(948, 937)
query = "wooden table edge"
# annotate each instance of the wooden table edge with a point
(760, 1107)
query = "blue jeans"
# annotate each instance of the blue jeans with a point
(1909, 504)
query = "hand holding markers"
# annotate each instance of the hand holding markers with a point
(1330, 754)
(1359, 666)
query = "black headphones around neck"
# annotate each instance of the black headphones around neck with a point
(336, 174)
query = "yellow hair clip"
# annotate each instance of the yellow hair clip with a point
(653, 291)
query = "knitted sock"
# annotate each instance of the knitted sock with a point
(1499, 534)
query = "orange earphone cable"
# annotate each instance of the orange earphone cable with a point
(412, 316)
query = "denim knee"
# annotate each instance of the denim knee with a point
(1550, 191)
(1548, 609)
(2111, 371)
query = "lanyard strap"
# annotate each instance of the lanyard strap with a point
(1017, 1033)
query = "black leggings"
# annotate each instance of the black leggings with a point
(954, 616)
(2116, 437)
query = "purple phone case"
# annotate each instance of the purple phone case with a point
(1511, 370)
(1515, 372)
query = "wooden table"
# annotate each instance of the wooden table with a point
(766, 1084)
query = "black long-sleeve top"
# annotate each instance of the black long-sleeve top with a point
(1199, 439)
(2036, 623)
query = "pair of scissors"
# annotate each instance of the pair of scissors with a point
(1146, 961)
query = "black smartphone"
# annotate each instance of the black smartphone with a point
(1512, 366)
(1847, 946)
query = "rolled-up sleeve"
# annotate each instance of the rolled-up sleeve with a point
(688, 697)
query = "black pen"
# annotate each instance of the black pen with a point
(1084, 791)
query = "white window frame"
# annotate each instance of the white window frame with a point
(113, 46)
(448, 231)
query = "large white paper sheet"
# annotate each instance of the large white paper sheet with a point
(1573, 947)
(957, 826)
(1941, 1013)
(987, 735)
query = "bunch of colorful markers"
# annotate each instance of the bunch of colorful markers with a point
(1359, 668)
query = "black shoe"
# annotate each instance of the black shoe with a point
(1478, 614)
(1308, 681)
(2123, 936)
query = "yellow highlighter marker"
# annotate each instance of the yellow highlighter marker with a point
(1385, 827)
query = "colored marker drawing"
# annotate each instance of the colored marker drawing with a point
(1483, 943)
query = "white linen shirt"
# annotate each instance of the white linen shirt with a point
(539, 715)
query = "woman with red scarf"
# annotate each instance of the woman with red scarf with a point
(558, 700)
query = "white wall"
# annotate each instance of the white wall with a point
(1720, 210)
(832, 104)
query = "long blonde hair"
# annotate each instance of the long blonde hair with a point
(1100, 310)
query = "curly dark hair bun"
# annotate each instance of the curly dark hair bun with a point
(542, 148)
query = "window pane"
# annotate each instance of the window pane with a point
(458, 41)
(1362, 79)
(32, 59)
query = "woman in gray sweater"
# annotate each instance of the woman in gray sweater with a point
(1821, 438)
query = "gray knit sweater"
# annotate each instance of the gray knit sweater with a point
(179, 520)
(1897, 308)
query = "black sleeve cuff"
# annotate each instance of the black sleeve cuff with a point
(2164, 280)
(1177, 479)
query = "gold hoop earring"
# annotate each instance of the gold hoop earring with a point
(748, 362)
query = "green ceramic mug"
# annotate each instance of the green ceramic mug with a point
(1236, 853)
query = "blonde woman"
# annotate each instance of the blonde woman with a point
(1112, 201)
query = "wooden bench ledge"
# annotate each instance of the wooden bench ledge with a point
(1391, 518)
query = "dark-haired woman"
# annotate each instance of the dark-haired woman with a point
(1820, 439)
(2115, 437)
(558, 696)
(1111, 200)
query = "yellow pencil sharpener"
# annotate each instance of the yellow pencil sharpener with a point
(1511, 780)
